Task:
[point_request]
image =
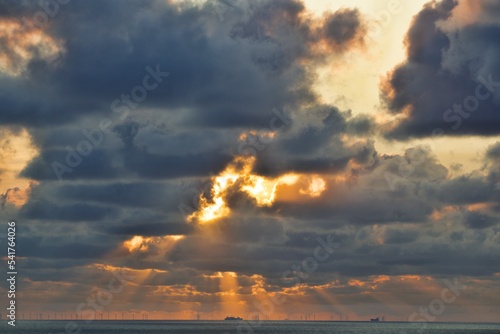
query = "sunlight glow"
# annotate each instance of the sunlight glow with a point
(232, 304)
(239, 176)
(316, 186)
(142, 244)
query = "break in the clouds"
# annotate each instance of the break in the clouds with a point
(186, 144)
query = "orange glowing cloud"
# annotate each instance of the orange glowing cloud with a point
(16, 152)
(139, 244)
(371, 283)
(441, 213)
(18, 196)
(21, 43)
(239, 176)
(316, 186)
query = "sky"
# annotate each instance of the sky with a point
(282, 158)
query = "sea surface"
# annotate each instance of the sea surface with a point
(236, 327)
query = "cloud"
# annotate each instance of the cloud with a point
(477, 220)
(23, 44)
(151, 229)
(46, 210)
(448, 82)
(344, 28)
(200, 93)
(241, 84)
(196, 96)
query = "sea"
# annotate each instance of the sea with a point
(237, 327)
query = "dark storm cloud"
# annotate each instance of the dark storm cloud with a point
(449, 79)
(164, 198)
(476, 220)
(221, 74)
(160, 166)
(471, 188)
(397, 250)
(290, 35)
(254, 230)
(311, 138)
(28, 104)
(344, 27)
(465, 189)
(363, 209)
(104, 164)
(314, 143)
(45, 210)
(208, 74)
(149, 229)
(58, 249)
(361, 125)
(281, 14)
(370, 196)
(123, 207)
(99, 165)
(493, 165)
(93, 73)
(137, 194)
(493, 152)
(127, 132)
(54, 239)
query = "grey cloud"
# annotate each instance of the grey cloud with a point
(448, 81)
(476, 220)
(225, 79)
(46, 210)
(149, 228)
(344, 27)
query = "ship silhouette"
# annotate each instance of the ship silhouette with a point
(233, 318)
(378, 319)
